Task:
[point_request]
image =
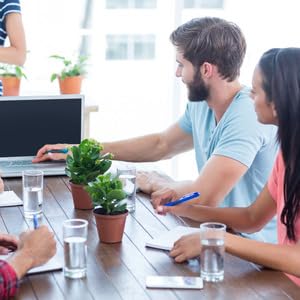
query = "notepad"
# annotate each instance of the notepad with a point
(54, 264)
(9, 198)
(166, 240)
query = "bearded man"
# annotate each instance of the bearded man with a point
(234, 152)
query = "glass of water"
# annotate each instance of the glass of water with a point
(212, 251)
(32, 193)
(127, 174)
(75, 249)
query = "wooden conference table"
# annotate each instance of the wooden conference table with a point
(118, 271)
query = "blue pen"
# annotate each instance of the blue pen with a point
(183, 199)
(64, 151)
(35, 222)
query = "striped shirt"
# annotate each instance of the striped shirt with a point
(8, 281)
(6, 7)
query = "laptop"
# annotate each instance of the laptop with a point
(29, 122)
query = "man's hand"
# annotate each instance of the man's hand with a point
(35, 248)
(43, 155)
(188, 246)
(149, 182)
(1, 185)
(8, 243)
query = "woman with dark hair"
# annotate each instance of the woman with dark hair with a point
(276, 95)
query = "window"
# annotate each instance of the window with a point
(203, 3)
(130, 4)
(130, 47)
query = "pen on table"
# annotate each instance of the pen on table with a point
(64, 150)
(35, 222)
(183, 199)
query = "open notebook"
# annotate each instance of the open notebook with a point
(166, 240)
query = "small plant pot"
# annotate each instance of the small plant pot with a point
(110, 227)
(70, 85)
(11, 86)
(81, 198)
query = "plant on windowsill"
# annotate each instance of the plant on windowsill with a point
(83, 166)
(11, 76)
(71, 76)
(110, 207)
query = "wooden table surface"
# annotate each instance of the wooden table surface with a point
(118, 271)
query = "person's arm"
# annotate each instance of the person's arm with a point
(266, 254)
(216, 179)
(152, 147)
(242, 219)
(247, 219)
(15, 53)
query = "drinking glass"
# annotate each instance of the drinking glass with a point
(32, 193)
(127, 174)
(75, 249)
(212, 251)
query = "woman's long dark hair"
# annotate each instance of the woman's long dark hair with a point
(281, 82)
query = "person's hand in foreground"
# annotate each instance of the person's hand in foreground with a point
(188, 246)
(35, 247)
(43, 154)
(8, 243)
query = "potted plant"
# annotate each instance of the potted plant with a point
(70, 77)
(110, 207)
(11, 76)
(83, 165)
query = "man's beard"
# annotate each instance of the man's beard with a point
(197, 90)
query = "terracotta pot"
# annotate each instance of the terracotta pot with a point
(110, 227)
(11, 86)
(70, 85)
(81, 198)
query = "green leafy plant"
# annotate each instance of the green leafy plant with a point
(8, 70)
(106, 191)
(86, 162)
(70, 68)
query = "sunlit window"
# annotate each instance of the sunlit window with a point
(203, 3)
(130, 47)
(117, 4)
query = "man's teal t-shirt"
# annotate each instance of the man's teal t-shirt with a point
(239, 136)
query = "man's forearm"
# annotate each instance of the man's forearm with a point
(140, 149)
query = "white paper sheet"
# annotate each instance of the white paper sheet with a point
(166, 240)
(9, 198)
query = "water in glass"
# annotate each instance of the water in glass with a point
(32, 201)
(75, 252)
(128, 181)
(212, 260)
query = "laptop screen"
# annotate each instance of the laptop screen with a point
(27, 123)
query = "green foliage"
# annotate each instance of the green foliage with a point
(8, 70)
(70, 69)
(86, 162)
(107, 191)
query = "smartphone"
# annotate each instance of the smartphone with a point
(174, 282)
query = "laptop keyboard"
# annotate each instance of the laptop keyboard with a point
(25, 163)
(16, 163)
